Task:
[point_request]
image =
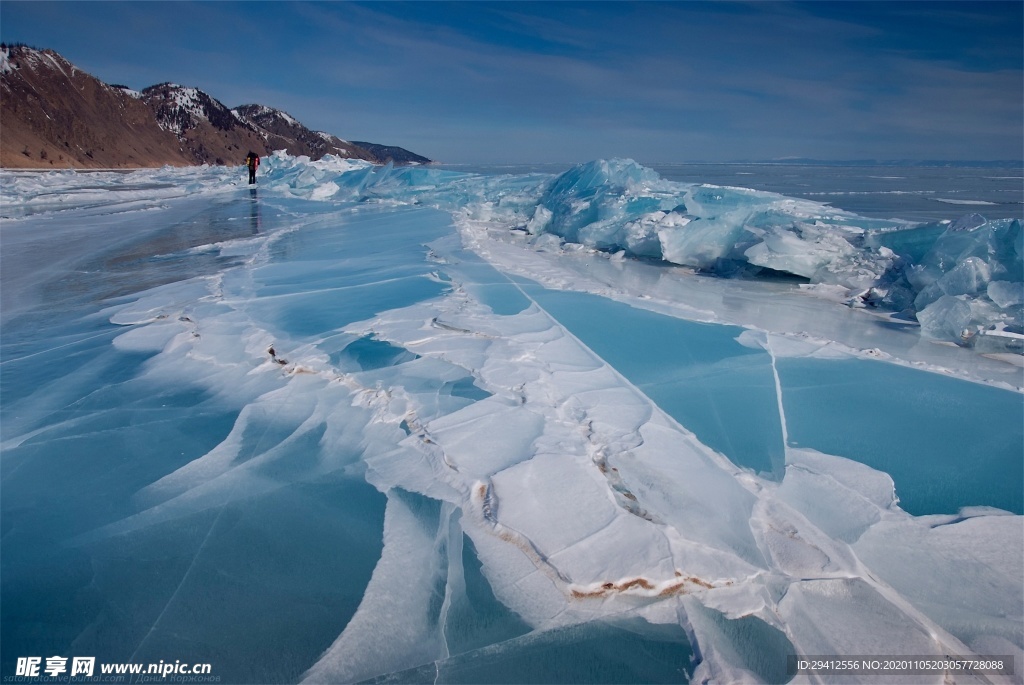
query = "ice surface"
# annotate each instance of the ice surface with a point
(937, 561)
(698, 373)
(353, 425)
(952, 420)
(396, 626)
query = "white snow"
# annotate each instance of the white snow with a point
(5, 62)
(183, 99)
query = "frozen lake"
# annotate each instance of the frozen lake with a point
(914, 193)
(511, 425)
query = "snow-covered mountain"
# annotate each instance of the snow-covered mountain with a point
(296, 138)
(180, 109)
(390, 152)
(205, 126)
(57, 115)
(54, 114)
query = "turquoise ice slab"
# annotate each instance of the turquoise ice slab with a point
(82, 472)
(594, 652)
(311, 314)
(255, 589)
(200, 584)
(750, 642)
(480, 619)
(276, 581)
(367, 353)
(336, 270)
(502, 298)
(490, 286)
(720, 390)
(946, 443)
(141, 259)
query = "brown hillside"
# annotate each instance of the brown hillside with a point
(55, 115)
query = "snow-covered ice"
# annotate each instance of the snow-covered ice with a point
(376, 424)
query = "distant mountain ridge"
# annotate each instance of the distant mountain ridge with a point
(316, 144)
(56, 115)
(397, 154)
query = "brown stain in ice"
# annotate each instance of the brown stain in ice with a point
(641, 586)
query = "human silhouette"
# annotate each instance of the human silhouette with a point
(252, 160)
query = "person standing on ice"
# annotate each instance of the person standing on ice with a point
(252, 160)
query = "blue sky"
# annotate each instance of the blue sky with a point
(478, 82)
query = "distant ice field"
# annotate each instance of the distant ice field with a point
(905, 192)
(585, 425)
(913, 193)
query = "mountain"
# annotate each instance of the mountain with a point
(286, 132)
(56, 115)
(206, 129)
(390, 153)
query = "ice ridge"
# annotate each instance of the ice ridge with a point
(963, 281)
(967, 287)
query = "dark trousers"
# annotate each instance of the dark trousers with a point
(252, 174)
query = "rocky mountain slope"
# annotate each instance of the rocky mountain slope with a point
(285, 132)
(390, 152)
(53, 114)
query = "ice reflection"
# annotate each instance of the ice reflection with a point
(255, 212)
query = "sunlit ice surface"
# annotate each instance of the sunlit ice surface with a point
(366, 424)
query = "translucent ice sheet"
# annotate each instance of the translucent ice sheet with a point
(373, 424)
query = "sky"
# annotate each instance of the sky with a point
(566, 82)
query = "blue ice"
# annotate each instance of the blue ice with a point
(935, 436)
(696, 372)
(408, 424)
